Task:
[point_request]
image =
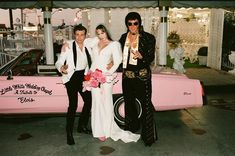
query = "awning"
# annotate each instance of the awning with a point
(14, 4)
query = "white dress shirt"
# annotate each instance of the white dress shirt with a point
(81, 58)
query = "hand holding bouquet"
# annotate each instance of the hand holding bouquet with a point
(93, 80)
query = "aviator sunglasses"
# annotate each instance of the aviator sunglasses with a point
(130, 23)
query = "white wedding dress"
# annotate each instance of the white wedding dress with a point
(102, 114)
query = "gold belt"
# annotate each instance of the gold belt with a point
(142, 73)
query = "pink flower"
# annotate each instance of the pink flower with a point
(94, 83)
(97, 70)
(86, 86)
(87, 77)
(103, 79)
(97, 74)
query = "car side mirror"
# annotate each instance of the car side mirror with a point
(9, 75)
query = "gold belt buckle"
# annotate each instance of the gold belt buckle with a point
(143, 72)
(130, 74)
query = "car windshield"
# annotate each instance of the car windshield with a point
(26, 61)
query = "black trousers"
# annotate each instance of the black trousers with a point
(73, 87)
(142, 90)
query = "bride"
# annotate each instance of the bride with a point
(104, 51)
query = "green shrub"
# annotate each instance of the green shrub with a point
(187, 63)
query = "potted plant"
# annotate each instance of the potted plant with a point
(173, 39)
(202, 55)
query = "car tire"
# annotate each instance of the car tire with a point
(119, 114)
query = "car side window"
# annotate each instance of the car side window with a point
(28, 59)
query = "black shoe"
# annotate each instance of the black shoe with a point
(134, 127)
(70, 140)
(148, 144)
(84, 130)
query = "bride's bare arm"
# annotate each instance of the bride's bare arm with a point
(65, 45)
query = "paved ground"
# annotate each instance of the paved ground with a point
(205, 131)
(215, 81)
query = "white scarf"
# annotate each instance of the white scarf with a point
(127, 48)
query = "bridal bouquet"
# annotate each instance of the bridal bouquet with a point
(93, 79)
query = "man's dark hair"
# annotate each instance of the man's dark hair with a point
(132, 16)
(79, 27)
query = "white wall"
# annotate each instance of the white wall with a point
(96, 17)
(117, 23)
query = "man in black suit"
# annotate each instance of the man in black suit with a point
(77, 61)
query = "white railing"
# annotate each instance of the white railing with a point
(226, 63)
(4, 58)
(11, 48)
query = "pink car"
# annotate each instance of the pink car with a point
(47, 94)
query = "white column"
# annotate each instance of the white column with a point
(70, 32)
(18, 35)
(163, 36)
(98, 16)
(146, 16)
(85, 21)
(214, 57)
(48, 36)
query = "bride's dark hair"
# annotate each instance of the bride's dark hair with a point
(104, 29)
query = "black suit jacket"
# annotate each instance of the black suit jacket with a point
(146, 47)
